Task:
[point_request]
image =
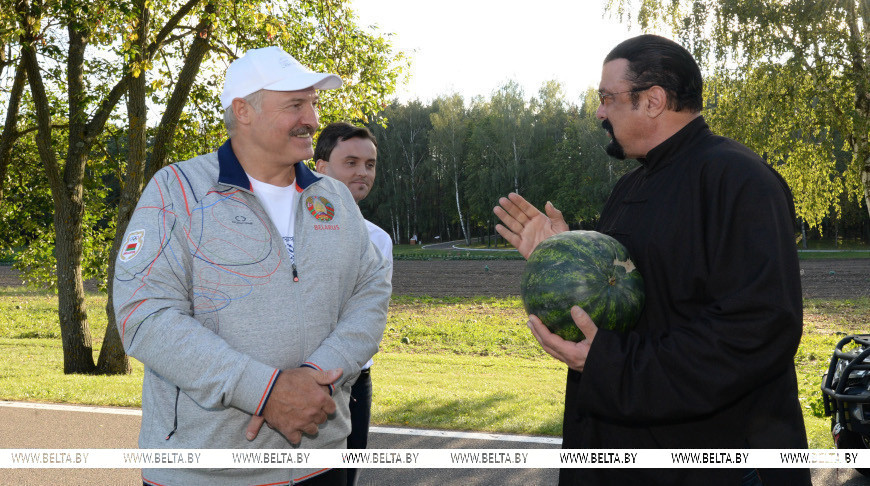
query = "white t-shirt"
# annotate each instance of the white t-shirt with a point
(384, 243)
(279, 203)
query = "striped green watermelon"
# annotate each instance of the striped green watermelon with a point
(584, 268)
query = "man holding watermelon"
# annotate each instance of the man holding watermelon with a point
(710, 362)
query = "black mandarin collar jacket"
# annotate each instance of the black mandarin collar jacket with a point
(710, 364)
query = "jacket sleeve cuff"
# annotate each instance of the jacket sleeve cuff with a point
(308, 364)
(254, 387)
(267, 393)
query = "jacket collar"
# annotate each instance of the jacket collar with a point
(665, 151)
(232, 173)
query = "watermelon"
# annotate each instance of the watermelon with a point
(584, 268)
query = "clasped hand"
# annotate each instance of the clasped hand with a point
(299, 402)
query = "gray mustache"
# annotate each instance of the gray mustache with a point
(302, 131)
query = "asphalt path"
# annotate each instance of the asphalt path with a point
(48, 426)
(460, 245)
(44, 426)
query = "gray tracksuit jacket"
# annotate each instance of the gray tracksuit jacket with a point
(206, 297)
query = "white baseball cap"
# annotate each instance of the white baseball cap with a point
(273, 69)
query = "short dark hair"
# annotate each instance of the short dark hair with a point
(657, 61)
(335, 132)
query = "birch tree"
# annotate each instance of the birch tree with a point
(447, 141)
(804, 65)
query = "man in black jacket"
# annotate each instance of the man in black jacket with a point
(709, 225)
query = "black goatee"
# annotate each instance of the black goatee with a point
(613, 149)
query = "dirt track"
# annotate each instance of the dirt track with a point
(465, 278)
(819, 278)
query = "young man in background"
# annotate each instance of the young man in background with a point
(350, 154)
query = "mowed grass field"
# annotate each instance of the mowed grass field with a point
(451, 363)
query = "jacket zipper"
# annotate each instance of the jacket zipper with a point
(175, 421)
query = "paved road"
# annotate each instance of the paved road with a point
(22, 426)
(114, 428)
(460, 245)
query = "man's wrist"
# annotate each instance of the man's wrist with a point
(313, 366)
(267, 393)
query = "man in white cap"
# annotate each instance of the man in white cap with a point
(248, 288)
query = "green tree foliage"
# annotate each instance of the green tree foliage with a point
(81, 58)
(505, 136)
(585, 173)
(499, 151)
(791, 133)
(404, 169)
(550, 120)
(804, 66)
(544, 147)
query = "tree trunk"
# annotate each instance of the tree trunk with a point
(516, 167)
(861, 63)
(75, 333)
(861, 143)
(804, 233)
(66, 193)
(175, 107)
(69, 211)
(67, 189)
(458, 206)
(3, 61)
(864, 147)
(413, 223)
(468, 229)
(9, 128)
(113, 359)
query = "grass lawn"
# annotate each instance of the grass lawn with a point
(479, 252)
(475, 393)
(825, 323)
(827, 255)
(465, 364)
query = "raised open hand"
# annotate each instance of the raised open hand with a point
(524, 226)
